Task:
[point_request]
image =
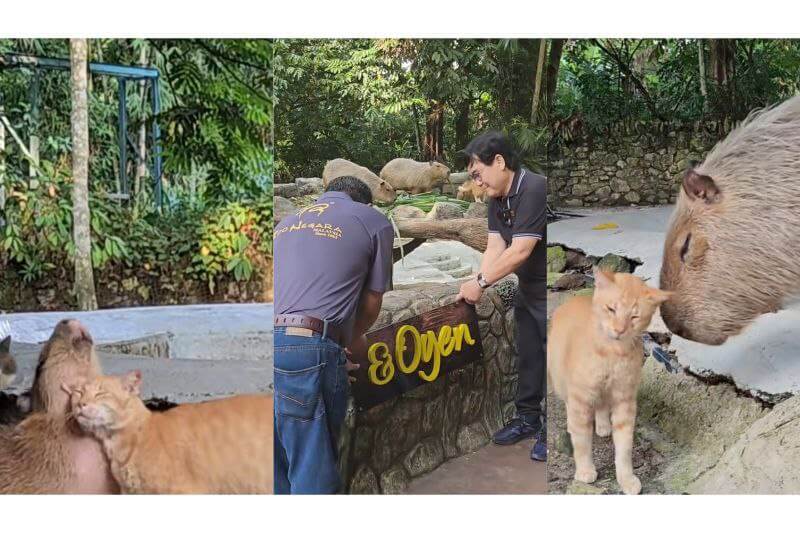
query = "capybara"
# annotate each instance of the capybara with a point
(732, 250)
(414, 176)
(382, 192)
(471, 191)
(68, 357)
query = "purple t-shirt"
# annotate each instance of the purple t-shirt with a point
(326, 254)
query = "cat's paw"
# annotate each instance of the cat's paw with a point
(630, 485)
(587, 475)
(603, 429)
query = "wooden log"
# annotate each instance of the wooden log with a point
(401, 250)
(471, 231)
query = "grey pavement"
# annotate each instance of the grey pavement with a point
(214, 350)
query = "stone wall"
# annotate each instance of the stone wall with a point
(626, 168)
(384, 448)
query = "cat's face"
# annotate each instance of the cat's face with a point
(103, 405)
(624, 305)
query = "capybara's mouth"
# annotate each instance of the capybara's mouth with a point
(678, 324)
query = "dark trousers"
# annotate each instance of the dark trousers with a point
(311, 391)
(531, 320)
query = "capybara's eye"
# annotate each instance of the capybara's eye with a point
(685, 247)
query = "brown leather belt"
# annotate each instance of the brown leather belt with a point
(333, 332)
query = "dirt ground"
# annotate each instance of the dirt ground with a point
(652, 449)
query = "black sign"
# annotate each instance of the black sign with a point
(420, 350)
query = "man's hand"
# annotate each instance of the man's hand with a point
(359, 347)
(470, 292)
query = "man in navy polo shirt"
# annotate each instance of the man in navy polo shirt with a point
(333, 262)
(517, 243)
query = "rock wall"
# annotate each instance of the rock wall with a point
(383, 449)
(628, 168)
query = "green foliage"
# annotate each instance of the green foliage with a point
(213, 245)
(217, 112)
(367, 100)
(597, 81)
(216, 122)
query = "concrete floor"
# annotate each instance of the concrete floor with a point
(215, 350)
(218, 331)
(762, 359)
(175, 380)
(491, 470)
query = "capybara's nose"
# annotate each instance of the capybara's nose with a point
(78, 331)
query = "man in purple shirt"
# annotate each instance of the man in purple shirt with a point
(333, 262)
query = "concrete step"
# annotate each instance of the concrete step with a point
(446, 265)
(175, 380)
(461, 272)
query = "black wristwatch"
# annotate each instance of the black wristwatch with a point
(482, 281)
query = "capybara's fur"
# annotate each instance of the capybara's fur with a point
(414, 176)
(471, 191)
(67, 357)
(732, 250)
(382, 192)
(48, 454)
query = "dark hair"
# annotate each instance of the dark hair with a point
(353, 187)
(487, 145)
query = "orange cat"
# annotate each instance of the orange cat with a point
(215, 447)
(594, 362)
(470, 188)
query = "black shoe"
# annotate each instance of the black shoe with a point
(515, 431)
(539, 450)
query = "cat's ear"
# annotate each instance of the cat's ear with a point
(5, 345)
(658, 296)
(602, 279)
(131, 381)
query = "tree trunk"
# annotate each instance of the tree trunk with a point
(434, 127)
(537, 86)
(81, 228)
(462, 125)
(470, 231)
(723, 67)
(551, 76)
(701, 62)
(141, 163)
(417, 133)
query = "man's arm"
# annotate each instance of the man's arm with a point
(369, 306)
(509, 260)
(494, 248)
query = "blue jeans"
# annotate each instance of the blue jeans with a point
(311, 391)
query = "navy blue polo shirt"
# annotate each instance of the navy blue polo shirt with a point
(523, 214)
(326, 254)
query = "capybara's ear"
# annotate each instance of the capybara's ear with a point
(602, 279)
(66, 388)
(700, 187)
